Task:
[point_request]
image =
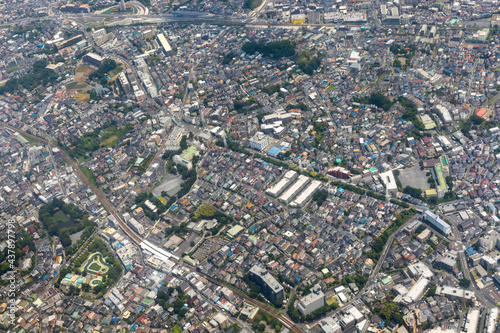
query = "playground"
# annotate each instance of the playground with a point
(95, 265)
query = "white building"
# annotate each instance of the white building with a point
(389, 181)
(416, 291)
(259, 141)
(312, 301)
(165, 45)
(437, 222)
(283, 184)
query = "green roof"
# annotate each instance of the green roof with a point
(235, 230)
(386, 280)
(190, 151)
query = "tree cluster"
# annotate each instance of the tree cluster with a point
(78, 217)
(38, 76)
(389, 311)
(276, 50)
(91, 141)
(378, 99)
(379, 243)
(101, 74)
(309, 63)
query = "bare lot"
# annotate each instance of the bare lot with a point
(414, 177)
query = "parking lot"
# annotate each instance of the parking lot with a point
(208, 247)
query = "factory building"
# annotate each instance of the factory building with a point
(289, 177)
(294, 189)
(307, 194)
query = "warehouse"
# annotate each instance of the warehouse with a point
(304, 197)
(283, 184)
(295, 189)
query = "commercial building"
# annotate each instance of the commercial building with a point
(288, 178)
(294, 189)
(259, 141)
(491, 320)
(312, 301)
(270, 287)
(437, 222)
(472, 321)
(165, 45)
(329, 325)
(416, 291)
(458, 294)
(93, 59)
(307, 194)
(136, 226)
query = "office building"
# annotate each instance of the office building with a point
(437, 222)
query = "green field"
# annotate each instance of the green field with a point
(63, 221)
(10, 70)
(60, 216)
